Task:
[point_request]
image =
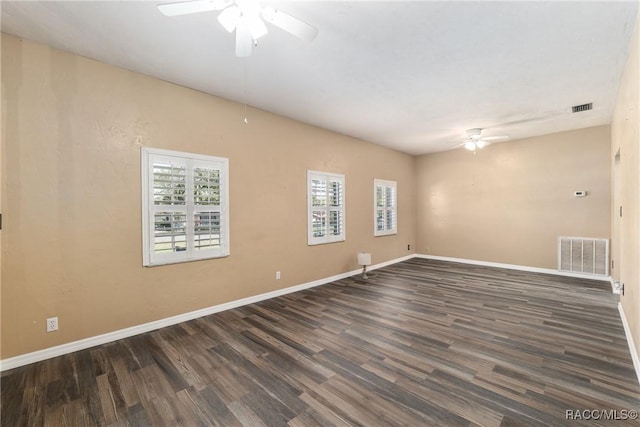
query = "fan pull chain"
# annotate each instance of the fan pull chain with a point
(244, 87)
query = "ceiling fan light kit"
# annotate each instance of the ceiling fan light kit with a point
(475, 140)
(246, 17)
(229, 18)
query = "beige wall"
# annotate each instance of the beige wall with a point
(625, 140)
(509, 202)
(72, 129)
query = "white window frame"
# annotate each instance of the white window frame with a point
(384, 185)
(328, 178)
(190, 162)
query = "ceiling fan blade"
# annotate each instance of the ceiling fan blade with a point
(289, 23)
(494, 138)
(244, 40)
(194, 6)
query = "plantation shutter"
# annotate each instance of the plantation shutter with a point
(385, 207)
(185, 215)
(326, 207)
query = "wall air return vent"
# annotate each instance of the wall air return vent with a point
(581, 108)
(583, 255)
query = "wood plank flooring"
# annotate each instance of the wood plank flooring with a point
(421, 343)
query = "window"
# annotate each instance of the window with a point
(385, 210)
(185, 207)
(326, 207)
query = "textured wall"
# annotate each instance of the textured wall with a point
(72, 129)
(625, 141)
(509, 202)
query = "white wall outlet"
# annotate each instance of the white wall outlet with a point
(277, 275)
(52, 324)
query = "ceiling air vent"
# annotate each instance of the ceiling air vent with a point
(581, 108)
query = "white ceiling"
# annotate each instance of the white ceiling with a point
(409, 75)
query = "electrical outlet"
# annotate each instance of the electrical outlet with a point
(52, 324)
(408, 247)
(277, 275)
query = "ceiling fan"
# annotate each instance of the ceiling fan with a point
(246, 17)
(476, 140)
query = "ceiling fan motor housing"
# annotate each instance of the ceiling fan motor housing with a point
(474, 134)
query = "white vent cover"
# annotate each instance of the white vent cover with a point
(583, 255)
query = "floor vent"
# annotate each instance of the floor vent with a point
(583, 255)
(583, 107)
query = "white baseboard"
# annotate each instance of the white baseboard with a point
(514, 267)
(632, 347)
(48, 353)
(393, 261)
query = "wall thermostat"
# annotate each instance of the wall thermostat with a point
(581, 193)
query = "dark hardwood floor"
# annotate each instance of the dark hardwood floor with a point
(420, 343)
